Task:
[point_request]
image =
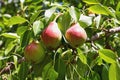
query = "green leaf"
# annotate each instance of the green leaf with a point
(60, 67)
(81, 68)
(21, 30)
(38, 68)
(112, 2)
(10, 35)
(3, 58)
(64, 22)
(117, 13)
(37, 27)
(16, 20)
(118, 7)
(82, 56)
(24, 40)
(107, 55)
(15, 58)
(91, 1)
(49, 73)
(99, 9)
(34, 16)
(23, 70)
(95, 76)
(114, 72)
(105, 73)
(75, 13)
(10, 46)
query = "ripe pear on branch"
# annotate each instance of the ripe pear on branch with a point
(51, 35)
(34, 52)
(75, 35)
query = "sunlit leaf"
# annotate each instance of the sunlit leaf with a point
(9, 47)
(99, 9)
(22, 1)
(21, 30)
(82, 56)
(15, 58)
(49, 12)
(87, 20)
(118, 7)
(10, 35)
(16, 20)
(117, 13)
(114, 71)
(91, 1)
(3, 58)
(37, 26)
(107, 55)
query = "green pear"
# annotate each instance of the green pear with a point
(75, 35)
(51, 36)
(34, 52)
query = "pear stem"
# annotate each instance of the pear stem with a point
(57, 16)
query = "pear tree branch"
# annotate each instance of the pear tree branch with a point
(9, 66)
(104, 33)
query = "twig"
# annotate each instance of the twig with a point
(9, 66)
(104, 34)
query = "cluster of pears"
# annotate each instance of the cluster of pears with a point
(51, 37)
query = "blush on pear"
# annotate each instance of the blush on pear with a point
(51, 36)
(75, 35)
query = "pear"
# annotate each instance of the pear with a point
(34, 52)
(75, 35)
(51, 36)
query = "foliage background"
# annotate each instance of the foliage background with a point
(22, 21)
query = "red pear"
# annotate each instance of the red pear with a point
(34, 52)
(51, 36)
(75, 35)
